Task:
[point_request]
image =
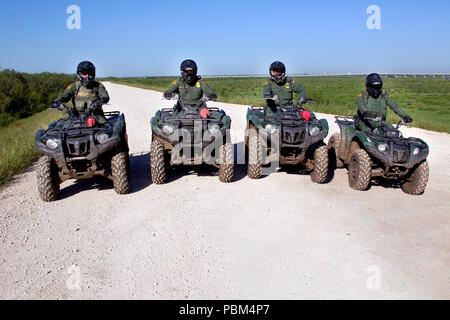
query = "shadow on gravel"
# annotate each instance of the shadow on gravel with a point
(177, 172)
(139, 178)
(97, 182)
(140, 171)
(386, 183)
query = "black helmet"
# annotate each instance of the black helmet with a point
(374, 85)
(188, 70)
(278, 66)
(86, 73)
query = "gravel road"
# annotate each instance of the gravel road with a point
(280, 237)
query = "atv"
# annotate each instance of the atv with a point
(287, 137)
(382, 152)
(78, 147)
(185, 138)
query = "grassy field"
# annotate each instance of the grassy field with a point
(17, 149)
(426, 100)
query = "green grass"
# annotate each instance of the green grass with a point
(426, 100)
(17, 149)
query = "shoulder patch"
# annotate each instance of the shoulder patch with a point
(174, 82)
(359, 95)
(204, 81)
(198, 84)
(69, 87)
(389, 95)
(266, 83)
(293, 81)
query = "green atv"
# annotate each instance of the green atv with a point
(79, 147)
(383, 152)
(288, 138)
(185, 138)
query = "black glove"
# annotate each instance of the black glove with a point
(169, 95)
(212, 97)
(97, 104)
(407, 119)
(54, 105)
(369, 115)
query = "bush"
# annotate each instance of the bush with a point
(22, 95)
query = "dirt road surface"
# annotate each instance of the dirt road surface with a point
(280, 237)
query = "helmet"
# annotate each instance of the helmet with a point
(278, 67)
(188, 70)
(374, 84)
(86, 73)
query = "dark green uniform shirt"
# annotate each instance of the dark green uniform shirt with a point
(81, 97)
(378, 107)
(190, 94)
(284, 91)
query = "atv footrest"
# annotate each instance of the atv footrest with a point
(112, 114)
(345, 120)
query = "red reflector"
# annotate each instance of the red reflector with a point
(306, 115)
(90, 122)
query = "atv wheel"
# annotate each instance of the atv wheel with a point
(48, 179)
(320, 171)
(417, 181)
(226, 169)
(359, 170)
(158, 165)
(254, 168)
(333, 146)
(120, 170)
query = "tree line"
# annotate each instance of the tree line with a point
(23, 94)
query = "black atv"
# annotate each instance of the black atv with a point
(78, 147)
(185, 138)
(288, 138)
(382, 152)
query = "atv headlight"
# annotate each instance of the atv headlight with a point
(213, 127)
(314, 131)
(416, 151)
(102, 138)
(270, 129)
(382, 147)
(168, 130)
(52, 144)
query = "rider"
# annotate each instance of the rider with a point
(281, 85)
(86, 92)
(190, 88)
(373, 103)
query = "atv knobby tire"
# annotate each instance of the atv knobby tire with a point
(120, 171)
(158, 164)
(320, 171)
(333, 145)
(360, 170)
(226, 168)
(416, 183)
(48, 179)
(254, 168)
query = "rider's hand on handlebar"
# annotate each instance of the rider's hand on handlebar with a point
(169, 95)
(97, 104)
(369, 115)
(212, 97)
(268, 97)
(55, 105)
(407, 119)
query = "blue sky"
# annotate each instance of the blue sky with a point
(149, 38)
